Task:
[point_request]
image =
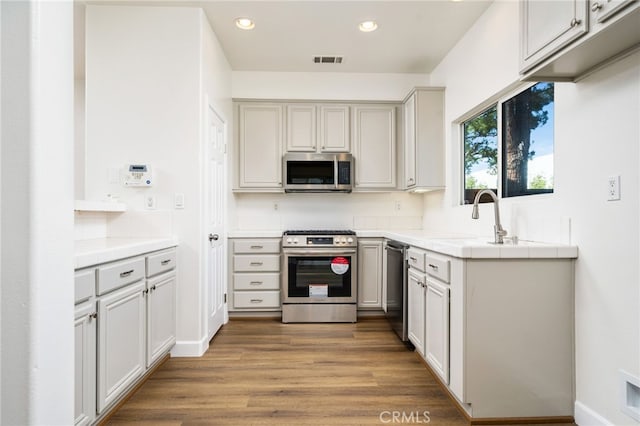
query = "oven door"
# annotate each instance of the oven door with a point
(319, 276)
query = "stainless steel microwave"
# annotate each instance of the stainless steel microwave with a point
(306, 172)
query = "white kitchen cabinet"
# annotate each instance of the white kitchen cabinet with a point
(161, 304)
(254, 265)
(416, 308)
(436, 341)
(565, 40)
(548, 26)
(260, 144)
(334, 132)
(121, 341)
(374, 147)
(424, 140)
(161, 316)
(370, 273)
(301, 128)
(85, 347)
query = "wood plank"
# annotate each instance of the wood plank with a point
(264, 372)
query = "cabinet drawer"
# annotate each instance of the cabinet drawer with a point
(415, 257)
(256, 246)
(269, 281)
(264, 263)
(119, 274)
(161, 262)
(85, 284)
(256, 299)
(437, 267)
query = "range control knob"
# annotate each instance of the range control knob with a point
(289, 240)
(349, 240)
(295, 241)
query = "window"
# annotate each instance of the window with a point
(509, 146)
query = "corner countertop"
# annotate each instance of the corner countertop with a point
(457, 245)
(102, 250)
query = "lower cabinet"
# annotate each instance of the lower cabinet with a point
(416, 309)
(85, 363)
(121, 341)
(161, 315)
(370, 273)
(436, 341)
(125, 321)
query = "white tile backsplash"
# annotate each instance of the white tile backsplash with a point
(89, 225)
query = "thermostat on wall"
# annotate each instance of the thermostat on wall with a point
(137, 175)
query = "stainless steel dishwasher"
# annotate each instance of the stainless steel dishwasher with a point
(397, 268)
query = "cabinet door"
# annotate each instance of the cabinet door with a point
(375, 146)
(410, 142)
(161, 316)
(121, 341)
(301, 128)
(260, 146)
(547, 26)
(437, 328)
(85, 364)
(334, 131)
(416, 309)
(370, 274)
(602, 10)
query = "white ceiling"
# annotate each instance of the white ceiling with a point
(412, 36)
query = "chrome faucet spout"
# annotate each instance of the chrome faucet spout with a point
(498, 231)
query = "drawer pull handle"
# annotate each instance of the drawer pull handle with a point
(126, 273)
(256, 300)
(434, 267)
(165, 262)
(257, 247)
(256, 283)
(256, 263)
(414, 259)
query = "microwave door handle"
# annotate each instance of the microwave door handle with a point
(335, 172)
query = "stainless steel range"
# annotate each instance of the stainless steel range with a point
(319, 280)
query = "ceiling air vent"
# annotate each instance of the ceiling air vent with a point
(327, 59)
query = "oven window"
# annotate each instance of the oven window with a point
(310, 172)
(317, 271)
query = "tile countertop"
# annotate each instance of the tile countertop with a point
(102, 250)
(457, 245)
(474, 247)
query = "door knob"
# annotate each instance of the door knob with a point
(213, 237)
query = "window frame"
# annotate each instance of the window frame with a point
(497, 101)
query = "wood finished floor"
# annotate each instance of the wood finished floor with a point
(264, 372)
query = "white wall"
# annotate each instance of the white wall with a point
(37, 219)
(596, 135)
(147, 69)
(300, 211)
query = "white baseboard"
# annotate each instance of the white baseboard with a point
(585, 416)
(190, 348)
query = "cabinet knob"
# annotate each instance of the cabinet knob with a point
(575, 22)
(213, 237)
(595, 6)
(93, 315)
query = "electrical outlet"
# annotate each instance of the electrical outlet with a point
(178, 200)
(613, 188)
(398, 206)
(150, 202)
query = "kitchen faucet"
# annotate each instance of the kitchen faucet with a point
(499, 232)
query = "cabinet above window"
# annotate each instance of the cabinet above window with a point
(567, 39)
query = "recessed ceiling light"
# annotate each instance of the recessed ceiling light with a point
(368, 26)
(245, 23)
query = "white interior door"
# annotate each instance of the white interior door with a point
(215, 187)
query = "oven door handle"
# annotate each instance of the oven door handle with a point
(321, 252)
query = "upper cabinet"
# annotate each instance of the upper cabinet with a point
(334, 132)
(318, 128)
(564, 40)
(260, 141)
(374, 147)
(424, 140)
